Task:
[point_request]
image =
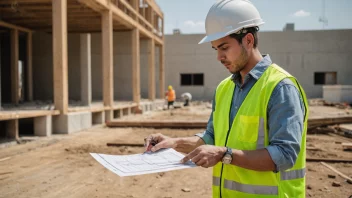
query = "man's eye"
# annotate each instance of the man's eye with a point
(224, 48)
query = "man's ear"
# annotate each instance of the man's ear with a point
(249, 40)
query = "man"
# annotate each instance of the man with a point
(187, 97)
(171, 96)
(256, 134)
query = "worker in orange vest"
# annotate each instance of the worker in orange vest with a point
(171, 96)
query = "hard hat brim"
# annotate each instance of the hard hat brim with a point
(220, 35)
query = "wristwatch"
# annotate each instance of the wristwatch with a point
(227, 158)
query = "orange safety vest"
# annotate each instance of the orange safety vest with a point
(171, 96)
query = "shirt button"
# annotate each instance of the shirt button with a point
(235, 107)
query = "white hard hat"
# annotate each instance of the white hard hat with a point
(229, 16)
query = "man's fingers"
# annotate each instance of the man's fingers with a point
(202, 162)
(160, 145)
(189, 156)
(147, 143)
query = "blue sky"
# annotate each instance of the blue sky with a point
(189, 15)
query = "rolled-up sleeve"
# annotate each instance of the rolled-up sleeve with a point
(208, 134)
(285, 119)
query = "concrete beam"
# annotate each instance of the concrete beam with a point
(136, 83)
(60, 55)
(29, 66)
(11, 26)
(86, 76)
(162, 71)
(43, 126)
(107, 58)
(151, 69)
(15, 95)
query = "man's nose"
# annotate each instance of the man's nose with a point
(220, 56)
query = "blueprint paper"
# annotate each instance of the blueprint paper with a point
(138, 164)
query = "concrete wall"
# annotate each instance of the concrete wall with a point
(42, 66)
(74, 67)
(337, 93)
(122, 60)
(184, 55)
(300, 52)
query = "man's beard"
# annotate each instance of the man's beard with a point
(240, 63)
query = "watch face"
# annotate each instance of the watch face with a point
(227, 159)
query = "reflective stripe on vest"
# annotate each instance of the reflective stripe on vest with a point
(285, 175)
(247, 188)
(258, 189)
(293, 174)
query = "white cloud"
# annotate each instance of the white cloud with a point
(194, 24)
(301, 13)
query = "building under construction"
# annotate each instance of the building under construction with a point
(69, 64)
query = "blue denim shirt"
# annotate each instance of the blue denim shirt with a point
(285, 116)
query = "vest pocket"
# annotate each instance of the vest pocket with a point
(248, 129)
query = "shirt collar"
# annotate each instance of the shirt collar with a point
(257, 71)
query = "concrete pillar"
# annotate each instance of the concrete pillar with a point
(15, 97)
(43, 126)
(12, 129)
(136, 83)
(151, 69)
(109, 115)
(86, 77)
(29, 67)
(60, 55)
(107, 59)
(161, 71)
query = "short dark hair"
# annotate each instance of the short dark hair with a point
(242, 33)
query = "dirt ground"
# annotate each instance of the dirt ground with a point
(60, 166)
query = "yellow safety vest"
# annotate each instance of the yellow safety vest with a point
(250, 131)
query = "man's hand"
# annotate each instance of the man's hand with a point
(158, 141)
(205, 155)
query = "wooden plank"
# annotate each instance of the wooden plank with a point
(107, 58)
(151, 69)
(331, 120)
(11, 115)
(29, 67)
(313, 148)
(125, 144)
(335, 160)
(159, 124)
(11, 26)
(4, 159)
(155, 7)
(3, 2)
(349, 180)
(346, 146)
(60, 55)
(135, 46)
(161, 71)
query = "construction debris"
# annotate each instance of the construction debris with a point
(159, 124)
(336, 160)
(349, 180)
(347, 146)
(125, 144)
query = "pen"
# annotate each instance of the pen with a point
(151, 144)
